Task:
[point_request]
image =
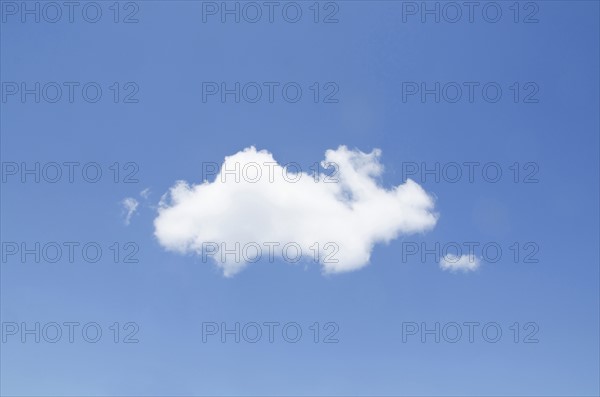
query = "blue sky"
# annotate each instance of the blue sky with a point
(370, 54)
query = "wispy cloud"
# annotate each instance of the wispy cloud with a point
(130, 205)
(465, 263)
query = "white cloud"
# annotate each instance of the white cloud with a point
(354, 214)
(454, 263)
(145, 193)
(130, 205)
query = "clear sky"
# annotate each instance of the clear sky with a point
(371, 62)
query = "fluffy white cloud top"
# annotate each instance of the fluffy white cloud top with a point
(463, 263)
(278, 204)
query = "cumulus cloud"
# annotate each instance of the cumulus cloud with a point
(341, 217)
(130, 205)
(464, 263)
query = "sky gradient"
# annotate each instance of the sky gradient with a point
(157, 122)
